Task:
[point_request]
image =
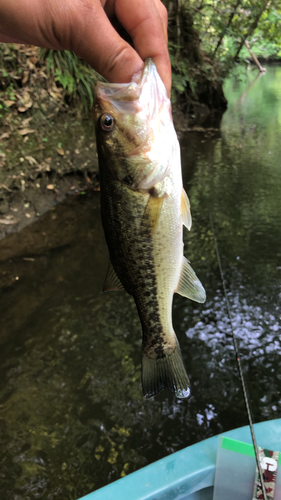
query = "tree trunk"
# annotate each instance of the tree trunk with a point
(178, 28)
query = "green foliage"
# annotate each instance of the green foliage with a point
(225, 25)
(182, 78)
(11, 63)
(207, 38)
(270, 27)
(196, 77)
(8, 58)
(10, 92)
(262, 49)
(75, 76)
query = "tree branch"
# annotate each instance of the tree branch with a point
(227, 26)
(252, 28)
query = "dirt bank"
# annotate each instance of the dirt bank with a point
(47, 143)
(43, 157)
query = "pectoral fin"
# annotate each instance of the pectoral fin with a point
(189, 285)
(112, 282)
(185, 210)
(151, 214)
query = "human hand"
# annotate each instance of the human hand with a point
(86, 27)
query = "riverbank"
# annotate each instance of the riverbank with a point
(47, 141)
(43, 158)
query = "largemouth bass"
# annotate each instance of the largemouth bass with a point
(143, 208)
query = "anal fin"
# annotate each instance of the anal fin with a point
(189, 285)
(167, 372)
(112, 282)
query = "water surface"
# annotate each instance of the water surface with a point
(72, 414)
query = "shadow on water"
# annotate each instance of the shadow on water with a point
(72, 415)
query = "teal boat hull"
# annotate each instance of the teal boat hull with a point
(187, 474)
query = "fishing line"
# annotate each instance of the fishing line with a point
(264, 494)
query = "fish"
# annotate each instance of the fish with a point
(143, 209)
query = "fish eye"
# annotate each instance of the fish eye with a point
(107, 122)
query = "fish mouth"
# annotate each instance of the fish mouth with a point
(124, 92)
(148, 94)
(128, 91)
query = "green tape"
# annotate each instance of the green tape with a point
(237, 446)
(240, 447)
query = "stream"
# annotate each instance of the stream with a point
(72, 414)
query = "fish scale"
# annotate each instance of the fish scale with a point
(135, 258)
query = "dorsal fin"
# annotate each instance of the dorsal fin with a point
(189, 285)
(185, 210)
(112, 282)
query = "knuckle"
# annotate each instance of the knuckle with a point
(119, 58)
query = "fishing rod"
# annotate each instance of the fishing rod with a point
(246, 399)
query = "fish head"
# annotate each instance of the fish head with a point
(119, 126)
(134, 129)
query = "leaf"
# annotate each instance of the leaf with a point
(25, 122)
(5, 187)
(31, 160)
(6, 135)
(30, 64)
(7, 222)
(26, 99)
(50, 186)
(25, 77)
(9, 103)
(26, 131)
(60, 151)
(34, 59)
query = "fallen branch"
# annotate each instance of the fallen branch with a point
(262, 70)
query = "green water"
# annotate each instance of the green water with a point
(72, 415)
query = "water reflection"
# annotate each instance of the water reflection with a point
(72, 415)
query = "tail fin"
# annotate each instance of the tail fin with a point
(166, 372)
